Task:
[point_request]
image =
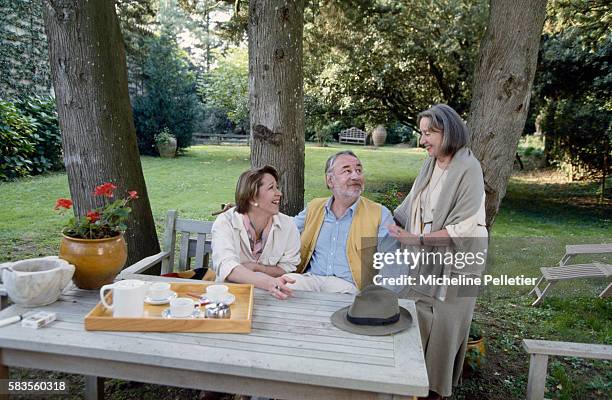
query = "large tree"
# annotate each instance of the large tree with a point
(276, 94)
(88, 67)
(502, 88)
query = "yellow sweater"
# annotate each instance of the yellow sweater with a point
(362, 238)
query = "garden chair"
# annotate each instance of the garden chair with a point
(539, 350)
(552, 275)
(194, 242)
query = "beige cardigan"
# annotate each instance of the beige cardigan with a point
(230, 244)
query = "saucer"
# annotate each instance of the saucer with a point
(227, 298)
(157, 302)
(194, 314)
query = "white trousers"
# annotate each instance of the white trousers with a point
(317, 283)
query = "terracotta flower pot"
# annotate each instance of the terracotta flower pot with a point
(96, 261)
(474, 357)
(379, 135)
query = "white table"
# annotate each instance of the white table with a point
(293, 352)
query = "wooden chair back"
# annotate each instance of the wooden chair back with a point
(194, 241)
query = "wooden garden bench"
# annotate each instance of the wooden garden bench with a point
(565, 271)
(353, 135)
(539, 351)
(194, 243)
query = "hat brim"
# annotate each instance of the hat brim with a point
(338, 319)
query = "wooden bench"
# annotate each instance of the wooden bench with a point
(552, 275)
(353, 135)
(194, 243)
(539, 351)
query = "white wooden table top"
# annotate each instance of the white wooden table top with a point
(291, 341)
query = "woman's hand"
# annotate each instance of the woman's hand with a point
(403, 235)
(277, 287)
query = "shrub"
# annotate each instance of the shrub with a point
(170, 97)
(16, 144)
(30, 140)
(47, 137)
(398, 133)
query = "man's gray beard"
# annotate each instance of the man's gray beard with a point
(350, 196)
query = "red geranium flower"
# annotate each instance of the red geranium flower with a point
(106, 190)
(108, 220)
(62, 203)
(93, 216)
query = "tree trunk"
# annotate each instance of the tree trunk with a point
(276, 103)
(502, 89)
(89, 73)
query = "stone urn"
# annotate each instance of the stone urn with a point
(167, 149)
(379, 135)
(36, 282)
(97, 261)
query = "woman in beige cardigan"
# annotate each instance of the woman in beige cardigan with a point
(444, 211)
(253, 242)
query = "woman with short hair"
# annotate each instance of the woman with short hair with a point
(253, 242)
(444, 211)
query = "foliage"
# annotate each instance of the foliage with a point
(46, 136)
(24, 58)
(399, 133)
(16, 145)
(169, 98)
(163, 137)
(581, 131)
(30, 140)
(215, 120)
(410, 55)
(475, 331)
(573, 87)
(103, 222)
(226, 86)
(325, 133)
(392, 197)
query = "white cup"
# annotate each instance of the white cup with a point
(159, 290)
(181, 307)
(216, 292)
(128, 298)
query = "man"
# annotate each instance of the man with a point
(339, 234)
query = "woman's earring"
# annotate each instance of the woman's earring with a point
(256, 205)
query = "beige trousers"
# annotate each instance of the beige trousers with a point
(317, 283)
(444, 327)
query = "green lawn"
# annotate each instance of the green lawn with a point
(537, 219)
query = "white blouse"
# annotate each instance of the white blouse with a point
(231, 247)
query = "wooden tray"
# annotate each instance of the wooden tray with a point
(101, 319)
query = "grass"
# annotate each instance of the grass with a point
(539, 216)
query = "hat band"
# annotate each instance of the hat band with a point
(373, 321)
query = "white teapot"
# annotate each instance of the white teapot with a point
(37, 281)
